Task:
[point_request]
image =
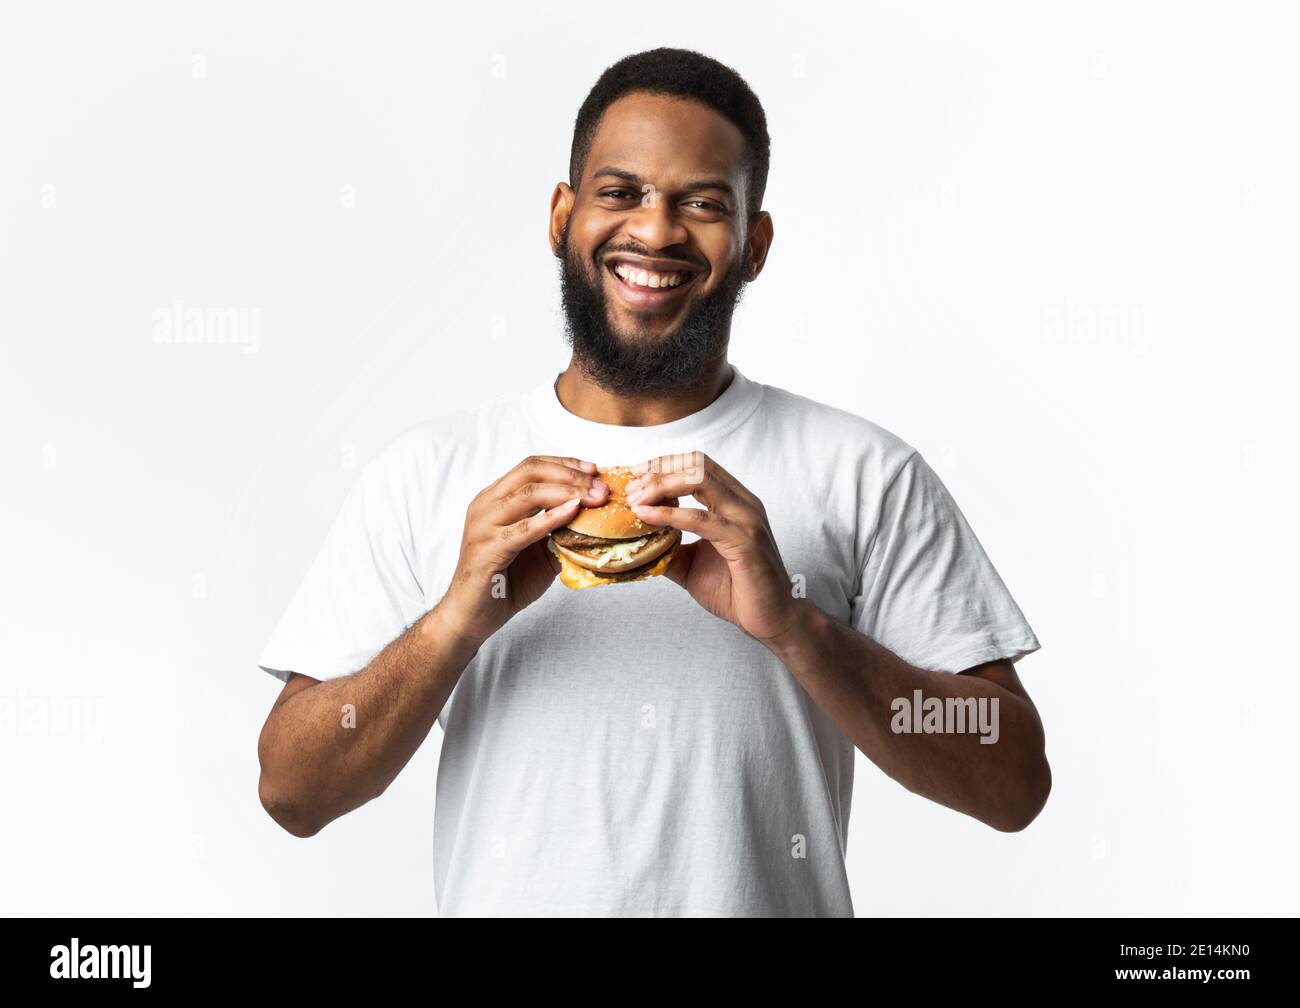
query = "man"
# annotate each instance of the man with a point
(680, 745)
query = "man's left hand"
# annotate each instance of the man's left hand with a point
(734, 570)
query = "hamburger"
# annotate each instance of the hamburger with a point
(610, 544)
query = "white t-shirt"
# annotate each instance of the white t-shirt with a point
(618, 751)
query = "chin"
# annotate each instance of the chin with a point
(633, 330)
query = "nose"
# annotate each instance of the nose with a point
(655, 223)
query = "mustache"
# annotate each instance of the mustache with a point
(670, 262)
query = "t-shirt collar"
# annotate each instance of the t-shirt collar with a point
(614, 444)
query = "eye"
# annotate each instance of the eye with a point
(706, 210)
(618, 194)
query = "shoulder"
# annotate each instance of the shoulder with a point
(876, 449)
(438, 442)
(406, 482)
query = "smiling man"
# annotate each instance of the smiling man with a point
(648, 296)
(680, 745)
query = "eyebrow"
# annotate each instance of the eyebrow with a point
(632, 178)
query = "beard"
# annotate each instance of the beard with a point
(645, 361)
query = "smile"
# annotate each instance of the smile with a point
(641, 288)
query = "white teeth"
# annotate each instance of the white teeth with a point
(644, 278)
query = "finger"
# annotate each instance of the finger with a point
(681, 462)
(710, 525)
(679, 567)
(530, 497)
(571, 462)
(714, 472)
(734, 485)
(542, 469)
(526, 531)
(693, 474)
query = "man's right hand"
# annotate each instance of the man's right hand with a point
(504, 565)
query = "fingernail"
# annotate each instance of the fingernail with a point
(570, 503)
(597, 486)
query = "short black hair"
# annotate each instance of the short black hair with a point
(680, 73)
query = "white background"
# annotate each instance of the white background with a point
(1053, 246)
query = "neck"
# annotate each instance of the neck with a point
(584, 398)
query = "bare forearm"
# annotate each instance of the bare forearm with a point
(338, 744)
(856, 681)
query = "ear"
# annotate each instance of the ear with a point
(562, 200)
(760, 243)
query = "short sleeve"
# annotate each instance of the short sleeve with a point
(929, 592)
(361, 591)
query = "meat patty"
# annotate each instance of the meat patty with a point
(576, 540)
(627, 575)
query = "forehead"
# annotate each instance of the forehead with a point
(663, 138)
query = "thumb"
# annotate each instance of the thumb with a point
(679, 568)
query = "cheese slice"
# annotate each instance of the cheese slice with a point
(575, 577)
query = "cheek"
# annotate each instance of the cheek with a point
(722, 261)
(592, 231)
